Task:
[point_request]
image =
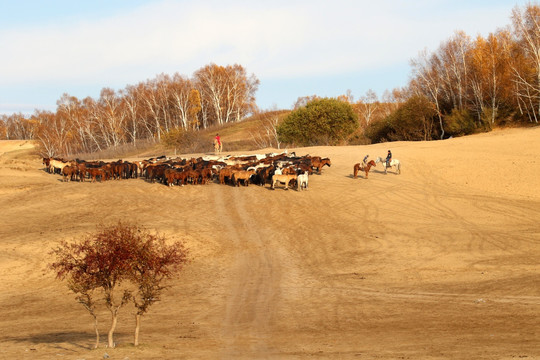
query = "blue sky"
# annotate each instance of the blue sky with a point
(294, 47)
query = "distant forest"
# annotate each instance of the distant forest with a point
(465, 86)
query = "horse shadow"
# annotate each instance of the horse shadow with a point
(351, 176)
(389, 172)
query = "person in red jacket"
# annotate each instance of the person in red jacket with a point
(218, 145)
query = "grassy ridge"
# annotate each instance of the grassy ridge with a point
(237, 136)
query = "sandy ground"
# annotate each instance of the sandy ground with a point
(440, 262)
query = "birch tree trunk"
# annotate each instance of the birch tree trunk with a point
(97, 331)
(110, 336)
(137, 328)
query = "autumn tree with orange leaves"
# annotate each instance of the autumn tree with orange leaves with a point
(215, 95)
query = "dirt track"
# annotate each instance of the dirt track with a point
(440, 262)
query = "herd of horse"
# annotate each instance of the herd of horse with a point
(274, 169)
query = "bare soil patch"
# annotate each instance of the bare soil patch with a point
(439, 262)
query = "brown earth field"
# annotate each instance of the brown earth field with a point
(439, 262)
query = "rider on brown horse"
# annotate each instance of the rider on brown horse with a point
(365, 160)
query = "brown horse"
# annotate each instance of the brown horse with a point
(93, 173)
(69, 172)
(318, 163)
(360, 166)
(285, 179)
(207, 175)
(242, 175)
(175, 176)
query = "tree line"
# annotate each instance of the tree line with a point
(466, 85)
(215, 95)
(470, 85)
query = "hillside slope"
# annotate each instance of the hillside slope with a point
(438, 262)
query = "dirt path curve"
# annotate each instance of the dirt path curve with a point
(254, 284)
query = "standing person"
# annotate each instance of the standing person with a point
(218, 145)
(388, 158)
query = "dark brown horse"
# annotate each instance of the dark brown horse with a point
(69, 172)
(362, 167)
(175, 176)
(93, 173)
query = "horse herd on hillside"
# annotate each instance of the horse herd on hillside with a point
(274, 169)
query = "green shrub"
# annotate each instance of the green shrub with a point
(321, 122)
(378, 131)
(459, 122)
(412, 121)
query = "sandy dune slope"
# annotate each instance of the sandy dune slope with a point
(440, 262)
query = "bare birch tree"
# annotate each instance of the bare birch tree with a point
(428, 82)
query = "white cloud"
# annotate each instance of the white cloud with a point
(279, 39)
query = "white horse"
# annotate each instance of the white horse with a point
(302, 181)
(393, 163)
(57, 164)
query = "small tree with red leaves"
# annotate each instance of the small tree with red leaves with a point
(110, 261)
(155, 261)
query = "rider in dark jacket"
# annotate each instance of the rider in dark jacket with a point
(388, 158)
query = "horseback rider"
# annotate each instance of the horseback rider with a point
(388, 158)
(365, 160)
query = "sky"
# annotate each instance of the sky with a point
(295, 48)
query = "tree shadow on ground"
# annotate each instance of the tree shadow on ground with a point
(79, 339)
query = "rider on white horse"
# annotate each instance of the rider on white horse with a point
(388, 158)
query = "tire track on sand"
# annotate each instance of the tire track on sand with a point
(254, 284)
